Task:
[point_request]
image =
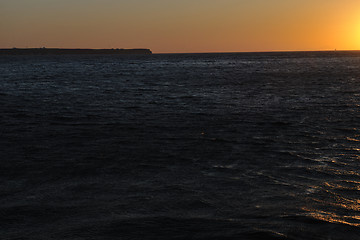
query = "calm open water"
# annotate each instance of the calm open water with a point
(188, 146)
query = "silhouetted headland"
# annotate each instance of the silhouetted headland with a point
(63, 51)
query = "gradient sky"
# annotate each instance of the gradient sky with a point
(182, 26)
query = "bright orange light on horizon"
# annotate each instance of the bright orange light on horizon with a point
(186, 26)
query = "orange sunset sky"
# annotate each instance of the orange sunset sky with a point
(167, 26)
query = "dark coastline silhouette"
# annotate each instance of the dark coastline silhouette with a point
(63, 51)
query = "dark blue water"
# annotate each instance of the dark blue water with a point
(202, 146)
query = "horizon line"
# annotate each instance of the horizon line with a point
(205, 52)
(267, 51)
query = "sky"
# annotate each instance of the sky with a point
(169, 26)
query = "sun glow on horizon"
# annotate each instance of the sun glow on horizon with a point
(186, 26)
(357, 36)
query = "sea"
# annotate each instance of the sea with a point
(180, 146)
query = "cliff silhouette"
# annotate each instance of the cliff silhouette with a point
(63, 51)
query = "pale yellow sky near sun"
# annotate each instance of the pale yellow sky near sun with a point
(182, 26)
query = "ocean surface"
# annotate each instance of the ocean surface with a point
(180, 146)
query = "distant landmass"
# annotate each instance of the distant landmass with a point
(63, 51)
